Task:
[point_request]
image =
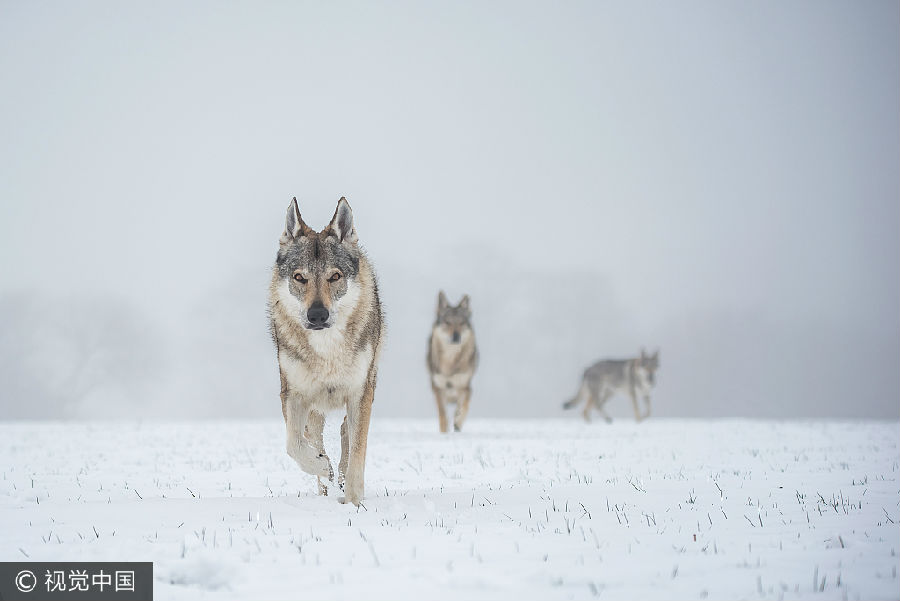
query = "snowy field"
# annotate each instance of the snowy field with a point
(505, 510)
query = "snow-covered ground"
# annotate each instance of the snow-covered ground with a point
(507, 509)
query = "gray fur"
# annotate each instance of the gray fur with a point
(636, 377)
(313, 253)
(452, 359)
(326, 364)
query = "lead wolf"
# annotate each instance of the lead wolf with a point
(604, 378)
(452, 359)
(327, 324)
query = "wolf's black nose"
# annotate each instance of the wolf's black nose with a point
(317, 314)
(455, 336)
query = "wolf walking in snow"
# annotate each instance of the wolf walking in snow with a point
(327, 324)
(604, 378)
(452, 359)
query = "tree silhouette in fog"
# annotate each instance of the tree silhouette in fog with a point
(89, 356)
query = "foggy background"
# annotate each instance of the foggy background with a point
(717, 180)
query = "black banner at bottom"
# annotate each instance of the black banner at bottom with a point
(76, 581)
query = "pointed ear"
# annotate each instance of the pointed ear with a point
(643, 353)
(442, 301)
(293, 224)
(342, 223)
(656, 354)
(464, 303)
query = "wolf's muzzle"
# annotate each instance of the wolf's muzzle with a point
(317, 315)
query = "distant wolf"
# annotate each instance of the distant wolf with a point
(604, 378)
(327, 324)
(452, 359)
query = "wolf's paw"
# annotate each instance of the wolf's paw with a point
(352, 494)
(314, 463)
(319, 466)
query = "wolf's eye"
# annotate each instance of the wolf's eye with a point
(300, 278)
(334, 277)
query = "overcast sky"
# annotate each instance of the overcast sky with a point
(720, 180)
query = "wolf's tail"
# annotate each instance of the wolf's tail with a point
(579, 396)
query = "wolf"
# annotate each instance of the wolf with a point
(327, 324)
(602, 379)
(452, 359)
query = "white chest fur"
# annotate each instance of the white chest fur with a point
(641, 382)
(332, 372)
(327, 382)
(449, 351)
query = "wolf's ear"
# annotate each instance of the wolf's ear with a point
(656, 354)
(464, 303)
(442, 301)
(342, 223)
(293, 224)
(643, 353)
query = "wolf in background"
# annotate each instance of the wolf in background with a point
(327, 324)
(452, 359)
(604, 378)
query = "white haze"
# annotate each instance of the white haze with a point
(719, 181)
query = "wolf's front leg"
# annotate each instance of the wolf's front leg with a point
(345, 454)
(634, 403)
(442, 407)
(310, 460)
(647, 404)
(314, 427)
(462, 409)
(359, 412)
